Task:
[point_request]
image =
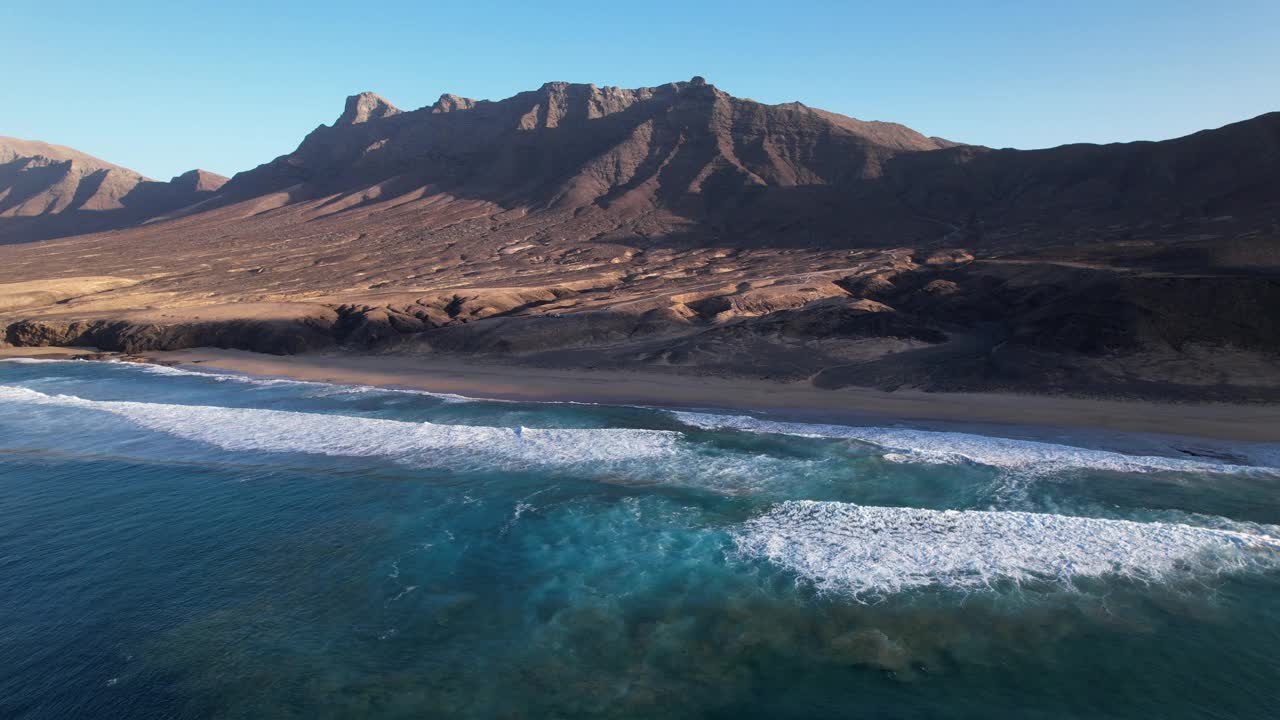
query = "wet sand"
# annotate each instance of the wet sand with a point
(46, 353)
(795, 401)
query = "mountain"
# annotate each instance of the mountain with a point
(681, 229)
(567, 145)
(50, 190)
(690, 159)
(644, 161)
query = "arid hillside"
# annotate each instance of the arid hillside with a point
(683, 229)
(52, 191)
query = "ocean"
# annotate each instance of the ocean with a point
(181, 544)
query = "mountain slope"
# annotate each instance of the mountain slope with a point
(1060, 192)
(682, 229)
(688, 160)
(50, 190)
(684, 148)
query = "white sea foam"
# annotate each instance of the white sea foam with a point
(650, 456)
(250, 429)
(327, 388)
(906, 445)
(873, 551)
(32, 361)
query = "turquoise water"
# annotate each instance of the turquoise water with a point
(187, 545)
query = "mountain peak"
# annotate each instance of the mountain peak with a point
(652, 146)
(449, 103)
(365, 107)
(42, 153)
(198, 181)
(51, 190)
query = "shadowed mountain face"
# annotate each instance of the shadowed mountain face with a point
(687, 158)
(680, 227)
(645, 162)
(1231, 173)
(50, 191)
(574, 146)
(677, 159)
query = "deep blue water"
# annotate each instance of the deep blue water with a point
(183, 545)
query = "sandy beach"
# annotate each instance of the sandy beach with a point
(798, 401)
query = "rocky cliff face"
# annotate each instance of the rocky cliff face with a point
(686, 147)
(694, 160)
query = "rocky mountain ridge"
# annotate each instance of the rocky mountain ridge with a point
(680, 229)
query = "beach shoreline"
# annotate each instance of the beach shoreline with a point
(800, 402)
(795, 401)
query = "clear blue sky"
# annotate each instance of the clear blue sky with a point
(166, 86)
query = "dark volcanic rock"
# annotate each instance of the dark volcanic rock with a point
(265, 336)
(365, 107)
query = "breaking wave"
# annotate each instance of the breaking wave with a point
(328, 388)
(228, 377)
(875, 551)
(245, 429)
(908, 445)
(32, 361)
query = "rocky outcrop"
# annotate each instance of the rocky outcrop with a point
(365, 107)
(265, 336)
(936, 321)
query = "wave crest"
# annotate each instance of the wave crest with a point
(326, 388)
(906, 445)
(251, 429)
(873, 551)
